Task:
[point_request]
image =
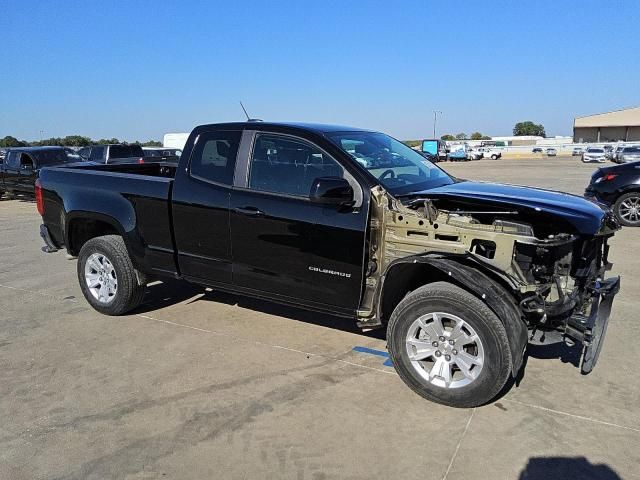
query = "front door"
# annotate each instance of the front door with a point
(201, 208)
(286, 246)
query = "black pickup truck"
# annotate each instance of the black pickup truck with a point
(352, 223)
(19, 170)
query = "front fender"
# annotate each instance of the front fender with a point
(477, 282)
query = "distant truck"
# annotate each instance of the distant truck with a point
(19, 170)
(458, 153)
(112, 153)
(118, 153)
(175, 140)
(436, 148)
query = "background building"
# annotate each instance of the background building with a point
(619, 125)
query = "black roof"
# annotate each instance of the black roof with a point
(310, 127)
(36, 149)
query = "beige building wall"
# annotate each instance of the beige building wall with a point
(608, 127)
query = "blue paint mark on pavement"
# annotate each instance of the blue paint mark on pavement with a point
(379, 353)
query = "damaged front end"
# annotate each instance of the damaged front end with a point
(553, 269)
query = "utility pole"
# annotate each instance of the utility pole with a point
(41, 134)
(435, 121)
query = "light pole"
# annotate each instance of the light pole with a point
(435, 120)
(41, 135)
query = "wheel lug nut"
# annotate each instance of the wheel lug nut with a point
(447, 357)
(455, 352)
(438, 353)
(451, 342)
(442, 339)
(435, 344)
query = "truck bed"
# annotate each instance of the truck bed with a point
(134, 199)
(159, 169)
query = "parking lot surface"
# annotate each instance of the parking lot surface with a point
(200, 384)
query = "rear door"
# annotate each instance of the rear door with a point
(284, 245)
(201, 207)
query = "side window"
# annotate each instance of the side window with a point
(288, 166)
(26, 160)
(84, 152)
(12, 160)
(97, 153)
(214, 156)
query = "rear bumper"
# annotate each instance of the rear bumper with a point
(50, 246)
(590, 329)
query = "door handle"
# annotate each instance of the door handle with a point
(250, 211)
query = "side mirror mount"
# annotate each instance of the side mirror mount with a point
(331, 191)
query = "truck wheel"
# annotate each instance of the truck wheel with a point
(627, 209)
(494, 157)
(448, 346)
(107, 277)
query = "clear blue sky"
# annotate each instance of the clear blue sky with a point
(138, 69)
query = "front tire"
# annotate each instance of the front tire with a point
(448, 346)
(627, 209)
(107, 277)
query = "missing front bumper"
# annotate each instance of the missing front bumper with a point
(591, 329)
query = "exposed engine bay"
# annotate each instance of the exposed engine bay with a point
(555, 274)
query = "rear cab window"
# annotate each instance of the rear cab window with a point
(214, 156)
(125, 151)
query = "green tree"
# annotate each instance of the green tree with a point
(152, 143)
(10, 141)
(476, 136)
(76, 141)
(461, 136)
(447, 137)
(528, 128)
(485, 137)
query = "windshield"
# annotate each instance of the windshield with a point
(398, 168)
(632, 150)
(595, 150)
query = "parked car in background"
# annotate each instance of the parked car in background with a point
(20, 169)
(113, 153)
(162, 154)
(594, 154)
(3, 153)
(351, 223)
(492, 153)
(474, 154)
(615, 156)
(618, 186)
(577, 151)
(536, 150)
(551, 152)
(630, 154)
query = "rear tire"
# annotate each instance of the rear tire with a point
(627, 209)
(107, 277)
(478, 362)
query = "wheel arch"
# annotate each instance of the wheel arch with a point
(81, 227)
(405, 275)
